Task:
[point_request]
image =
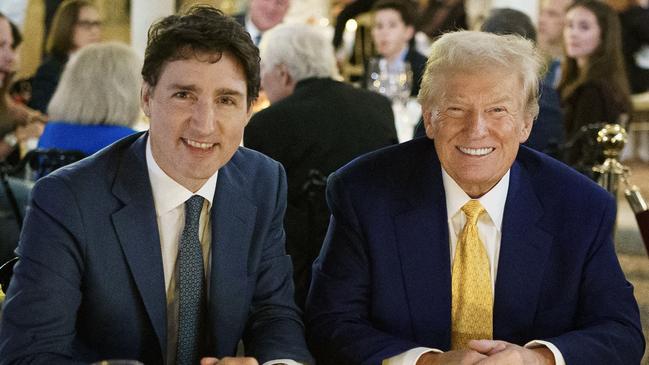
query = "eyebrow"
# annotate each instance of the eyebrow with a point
(222, 91)
(189, 87)
(228, 91)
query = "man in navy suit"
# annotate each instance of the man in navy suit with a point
(383, 286)
(98, 275)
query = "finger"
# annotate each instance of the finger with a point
(488, 347)
(209, 361)
(238, 361)
(507, 357)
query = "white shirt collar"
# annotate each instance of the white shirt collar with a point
(493, 201)
(167, 193)
(252, 29)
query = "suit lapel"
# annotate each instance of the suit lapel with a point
(137, 230)
(233, 220)
(422, 239)
(524, 250)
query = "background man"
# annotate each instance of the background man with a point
(262, 15)
(467, 242)
(550, 38)
(393, 28)
(314, 126)
(167, 246)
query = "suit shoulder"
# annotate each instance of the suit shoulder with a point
(560, 181)
(386, 162)
(252, 162)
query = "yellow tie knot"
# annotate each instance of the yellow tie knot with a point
(473, 209)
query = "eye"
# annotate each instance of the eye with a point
(226, 100)
(498, 110)
(455, 112)
(181, 95)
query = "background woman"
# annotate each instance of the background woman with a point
(76, 24)
(97, 101)
(593, 87)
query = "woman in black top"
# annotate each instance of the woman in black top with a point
(593, 88)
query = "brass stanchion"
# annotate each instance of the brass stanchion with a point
(612, 138)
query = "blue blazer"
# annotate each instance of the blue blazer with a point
(382, 282)
(90, 285)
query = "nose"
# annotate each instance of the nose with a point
(204, 118)
(477, 124)
(7, 59)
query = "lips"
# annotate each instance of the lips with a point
(483, 151)
(197, 144)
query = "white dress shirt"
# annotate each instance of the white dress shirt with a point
(251, 28)
(490, 231)
(169, 199)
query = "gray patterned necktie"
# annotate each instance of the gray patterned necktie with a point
(191, 286)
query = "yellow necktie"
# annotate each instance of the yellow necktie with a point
(471, 293)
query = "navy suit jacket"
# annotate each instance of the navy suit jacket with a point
(382, 283)
(89, 284)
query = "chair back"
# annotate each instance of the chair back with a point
(44, 161)
(6, 271)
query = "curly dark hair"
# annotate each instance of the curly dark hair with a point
(202, 30)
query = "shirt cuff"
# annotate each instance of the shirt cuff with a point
(558, 357)
(409, 357)
(282, 361)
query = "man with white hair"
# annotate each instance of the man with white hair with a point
(314, 126)
(465, 247)
(262, 15)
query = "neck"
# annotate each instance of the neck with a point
(394, 56)
(581, 63)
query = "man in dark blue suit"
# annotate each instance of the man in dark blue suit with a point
(465, 247)
(166, 247)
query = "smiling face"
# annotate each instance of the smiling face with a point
(582, 34)
(477, 127)
(390, 33)
(198, 111)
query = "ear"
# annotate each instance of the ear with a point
(427, 114)
(528, 123)
(410, 32)
(287, 79)
(145, 98)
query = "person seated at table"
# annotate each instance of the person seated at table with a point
(594, 88)
(261, 16)
(166, 247)
(392, 31)
(18, 123)
(96, 102)
(466, 247)
(76, 24)
(314, 123)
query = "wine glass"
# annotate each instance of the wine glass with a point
(392, 80)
